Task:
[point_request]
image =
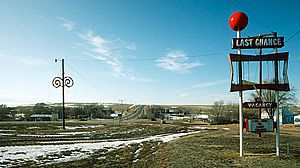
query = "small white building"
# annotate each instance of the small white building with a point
(285, 116)
(200, 116)
(20, 117)
(115, 114)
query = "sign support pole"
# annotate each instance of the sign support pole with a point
(260, 82)
(277, 108)
(240, 98)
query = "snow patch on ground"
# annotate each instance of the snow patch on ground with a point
(137, 152)
(80, 127)
(6, 134)
(35, 127)
(40, 135)
(7, 130)
(48, 154)
(74, 133)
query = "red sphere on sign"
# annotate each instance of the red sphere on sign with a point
(238, 21)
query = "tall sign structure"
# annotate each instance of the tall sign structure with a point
(238, 21)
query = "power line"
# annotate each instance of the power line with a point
(292, 36)
(261, 21)
(219, 17)
(150, 59)
(250, 11)
(91, 83)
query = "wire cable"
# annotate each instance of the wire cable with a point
(250, 11)
(91, 83)
(292, 36)
(150, 59)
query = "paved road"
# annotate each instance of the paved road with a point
(135, 114)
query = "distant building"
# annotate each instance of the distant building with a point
(201, 116)
(44, 117)
(115, 114)
(173, 111)
(83, 117)
(285, 116)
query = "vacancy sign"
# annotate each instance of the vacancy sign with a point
(259, 105)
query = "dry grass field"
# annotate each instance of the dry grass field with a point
(142, 143)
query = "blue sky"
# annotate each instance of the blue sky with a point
(134, 51)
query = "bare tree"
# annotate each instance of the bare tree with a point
(224, 113)
(4, 112)
(217, 112)
(285, 99)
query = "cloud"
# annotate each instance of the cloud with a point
(224, 95)
(227, 97)
(176, 61)
(110, 52)
(210, 98)
(183, 94)
(122, 45)
(107, 51)
(29, 61)
(210, 84)
(104, 50)
(66, 24)
(12, 99)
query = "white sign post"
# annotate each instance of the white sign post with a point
(237, 22)
(277, 108)
(238, 33)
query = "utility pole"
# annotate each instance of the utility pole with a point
(63, 91)
(62, 82)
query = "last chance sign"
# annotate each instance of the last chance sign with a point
(266, 42)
